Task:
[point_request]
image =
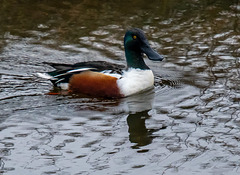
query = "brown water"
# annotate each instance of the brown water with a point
(189, 124)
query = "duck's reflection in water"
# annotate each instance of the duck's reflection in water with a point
(139, 106)
(138, 132)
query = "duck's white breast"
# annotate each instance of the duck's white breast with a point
(135, 80)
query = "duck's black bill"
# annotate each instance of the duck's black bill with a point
(151, 54)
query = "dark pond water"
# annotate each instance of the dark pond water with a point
(188, 124)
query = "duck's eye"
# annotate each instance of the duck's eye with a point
(134, 37)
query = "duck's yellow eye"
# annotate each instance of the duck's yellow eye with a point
(134, 37)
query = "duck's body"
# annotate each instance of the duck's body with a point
(102, 79)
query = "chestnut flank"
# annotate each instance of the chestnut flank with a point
(95, 84)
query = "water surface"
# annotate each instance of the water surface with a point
(188, 124)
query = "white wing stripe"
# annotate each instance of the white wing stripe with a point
(72, 71)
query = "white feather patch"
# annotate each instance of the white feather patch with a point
(45, 76)
(63, 86)
(108, 72)
(135, 80)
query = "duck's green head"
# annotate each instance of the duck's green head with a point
(135, 44)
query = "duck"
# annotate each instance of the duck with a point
(109, 80)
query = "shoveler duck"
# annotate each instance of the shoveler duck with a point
(102, 79)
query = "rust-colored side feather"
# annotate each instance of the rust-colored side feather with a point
(95, 84)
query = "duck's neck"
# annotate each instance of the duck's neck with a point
(135, 60)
